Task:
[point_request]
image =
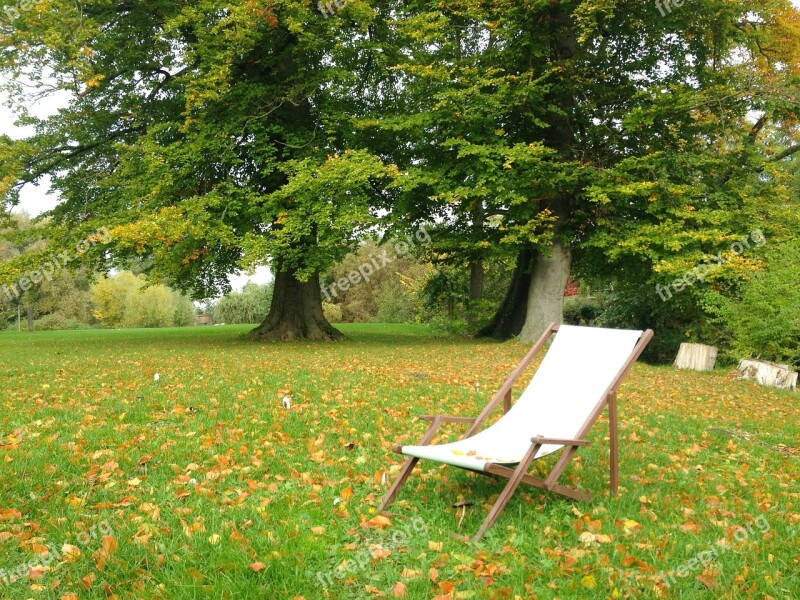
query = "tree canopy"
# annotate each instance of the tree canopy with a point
(601, 139)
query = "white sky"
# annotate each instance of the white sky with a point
(36, 199)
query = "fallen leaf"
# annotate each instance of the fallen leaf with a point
(399, 590)
(377, 521)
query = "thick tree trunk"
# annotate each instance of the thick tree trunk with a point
(510, 317)
(296, 312)
(30, 317)
(546, 295)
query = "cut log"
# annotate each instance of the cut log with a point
(768, 374)
(696, 357)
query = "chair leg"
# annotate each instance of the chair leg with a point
(508, 491)
(613, 443)
(411, 462)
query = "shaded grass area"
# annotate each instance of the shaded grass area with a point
(209, 488)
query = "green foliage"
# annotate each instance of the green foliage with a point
(582, 310)
(448, 288)
(185, 313)
(224, 127)
(385, 293)
(149, 307)
(764, 321)
(248, 306)
(126, 301)
(398, 302)
(333, 312)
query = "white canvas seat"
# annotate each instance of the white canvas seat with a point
(579, 366)
(576, 380)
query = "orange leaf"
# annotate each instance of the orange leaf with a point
(347, 493)
(447, 588)
(399, 590)
(6, 514)
(377, 521)
(258, 566)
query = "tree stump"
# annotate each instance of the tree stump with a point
(768, 374)
(696, 357)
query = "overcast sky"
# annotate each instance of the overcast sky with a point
(36, 199)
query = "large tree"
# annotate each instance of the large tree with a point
(596, 130)
(206, 136)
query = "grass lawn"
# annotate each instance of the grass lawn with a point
(200, 485)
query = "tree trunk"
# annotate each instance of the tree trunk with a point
(510, 317)
(546, 295)
(476, 278)
(296, 312)
(30, 317)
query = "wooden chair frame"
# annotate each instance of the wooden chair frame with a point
(520, 473)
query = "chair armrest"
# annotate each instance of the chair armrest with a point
(539, 439)
(448, 419)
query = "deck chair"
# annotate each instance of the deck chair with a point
(577, 378)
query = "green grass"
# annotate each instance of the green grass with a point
(202, 474)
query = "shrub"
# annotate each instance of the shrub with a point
(582, 310)
(247, 307)
(57, 321)
(764, 322)
(333, 312)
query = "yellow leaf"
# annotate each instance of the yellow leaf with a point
(435, 546)
(589, 582)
